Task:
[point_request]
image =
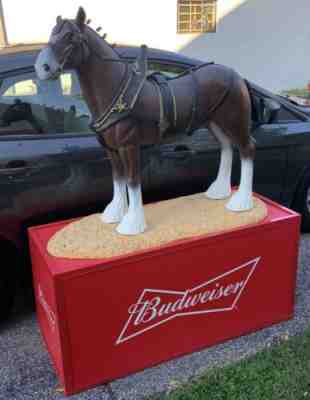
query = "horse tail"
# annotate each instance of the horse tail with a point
(254, 112)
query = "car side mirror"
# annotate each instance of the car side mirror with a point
(270, 111)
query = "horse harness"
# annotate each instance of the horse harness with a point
(123, 103)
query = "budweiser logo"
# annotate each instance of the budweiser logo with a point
(156, 307)
(49, 313)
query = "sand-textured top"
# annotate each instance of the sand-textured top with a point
(167, 221)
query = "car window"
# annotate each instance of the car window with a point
(285, 115)
(170, 70)
(262, 112)
(23, 88)
(28, 105)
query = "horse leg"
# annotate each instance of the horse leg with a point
(221, 187)
(133, 222)
(117, 208)
(234, 119)
(242, 200)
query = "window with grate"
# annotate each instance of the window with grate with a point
(196, 16)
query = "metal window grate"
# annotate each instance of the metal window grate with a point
(196, 16)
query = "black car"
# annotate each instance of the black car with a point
(52, 167)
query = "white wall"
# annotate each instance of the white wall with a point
(267, 41)
(133, 22)
(127, 21)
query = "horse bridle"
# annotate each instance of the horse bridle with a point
(78, 40)
(81, 40)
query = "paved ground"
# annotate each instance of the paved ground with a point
(26, 372)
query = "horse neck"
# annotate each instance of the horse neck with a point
(99, 79)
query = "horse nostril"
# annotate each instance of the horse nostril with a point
(46, 67)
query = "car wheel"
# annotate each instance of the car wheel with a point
(302, 203)
(8, 280)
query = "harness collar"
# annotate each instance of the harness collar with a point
(126, 97)
(118, 105)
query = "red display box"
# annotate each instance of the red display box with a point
(104, 319)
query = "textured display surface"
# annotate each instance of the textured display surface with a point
(167, 221)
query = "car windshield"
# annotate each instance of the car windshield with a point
(287, 98)
(28, 105)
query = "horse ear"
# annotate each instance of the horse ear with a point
(80, 18)
(58, 19)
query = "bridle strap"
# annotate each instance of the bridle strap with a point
(195, 88)
(68, 51)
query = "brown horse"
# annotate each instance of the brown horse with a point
(101, 72)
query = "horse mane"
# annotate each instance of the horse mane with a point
(101, 41)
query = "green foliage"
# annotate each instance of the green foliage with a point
(302, 92)
(279, 373)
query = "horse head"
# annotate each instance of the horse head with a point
(67, 47)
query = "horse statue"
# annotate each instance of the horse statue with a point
(131, 109)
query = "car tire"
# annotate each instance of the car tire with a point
(8, 281)
(302, 202)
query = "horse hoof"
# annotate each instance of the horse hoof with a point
(133, 223)
(240, 202)
(218, 191)
(113, 213)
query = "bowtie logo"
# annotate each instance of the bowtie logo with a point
(156, 307)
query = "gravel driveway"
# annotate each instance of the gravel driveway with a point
(26, 371)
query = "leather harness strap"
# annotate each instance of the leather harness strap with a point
(167, 102)
(189, 129)
(162, 124)
(131, 85)
(117, 110)
(124, 101)
(174, 105)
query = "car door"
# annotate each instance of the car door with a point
(270, 160)
(283, 151)
(51, 164)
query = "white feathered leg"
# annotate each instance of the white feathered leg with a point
(118, 207)
(242, 200)
(133, 222)
(221, 187)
